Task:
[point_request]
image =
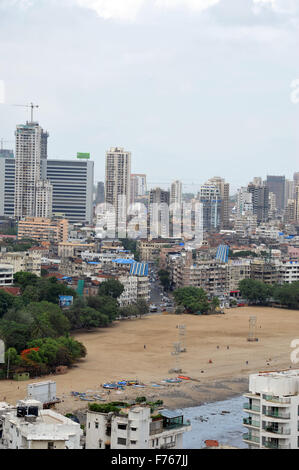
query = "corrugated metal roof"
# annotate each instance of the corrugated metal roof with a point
(171, 414)
(139, 269)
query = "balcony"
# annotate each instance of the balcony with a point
(277, 430)
(250, 422)
(280, 400)
(250, 438)
(275, 445)
(276, 414)
(248, 406)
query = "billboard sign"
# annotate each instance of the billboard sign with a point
(66, 300)
(83, 156)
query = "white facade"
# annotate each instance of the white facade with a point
(176, 193)
(28, 261)
(45, 392)
(118, 176)
(6, 275)
(28, 171)
(272, 408)
(289, 272)
(44, 199)
(47, 430)
(132, 428)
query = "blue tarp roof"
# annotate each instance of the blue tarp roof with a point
(139, 269)
(222, 253)
(123, 261)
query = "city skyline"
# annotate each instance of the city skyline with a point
(184, 89)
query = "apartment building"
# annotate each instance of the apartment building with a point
(6, 275)
(264, 271)
(28, 261)
(272, 408)
(7, 186)
(237, 271)
(118, 177)
(150, 249)
(176, 192)
(135, 428)
(73, 250)
(288, 272)
(43, 229)
(28, 426)
(138, 187)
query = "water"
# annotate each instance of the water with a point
(227, 429)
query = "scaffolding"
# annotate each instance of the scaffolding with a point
(176, 353)
(252, 329)
(182, 337)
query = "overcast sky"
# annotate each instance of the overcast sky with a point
(193, 88)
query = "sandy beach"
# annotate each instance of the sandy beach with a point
(217, 352)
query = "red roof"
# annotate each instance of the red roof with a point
(11, 290)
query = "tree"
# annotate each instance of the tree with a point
(6, 301)
(111, 288)
(142, 307)
(164, 277)
(256, 292)
(23, 279)
(288, 295)
(194, 299)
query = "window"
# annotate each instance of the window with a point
(133, 429)
(122, 426)
(51, 445)
(134, 442)
(121, 441)
(96, 425)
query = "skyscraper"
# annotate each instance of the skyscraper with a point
(276, 185)
(28, 157)
(176, 193)
(138, 187)
(260, 201)
(44, 199)
(31, 149)
(224, 195)
(118, 172)
(210, 198)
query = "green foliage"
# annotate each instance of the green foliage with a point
(242, 254)
(131, 245)
(6, 301)
(105, 408)
(140, 400)
(256, 292)
(111, 288)
(164, 277)
(193, 299)
(288, 295)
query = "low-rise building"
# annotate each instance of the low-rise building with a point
(272, 409)
(28, 426)
(6, 274)
(135, 428)
(28, 261)
(43, 229)
(72, 250)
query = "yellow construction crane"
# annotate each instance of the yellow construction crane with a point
(31, 105)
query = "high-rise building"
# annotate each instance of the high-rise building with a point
(28, 169)
(210, 198)
(138, 187)
(244, 202)
(296, 179)
(277, 185)
(260, 201)
(7, 185)
(100, 194)
(118, 173)
(272, 205)
(176, 193)
(44, 199)
(224, 194)
(72, 182)
(289, 191)
(272, 410)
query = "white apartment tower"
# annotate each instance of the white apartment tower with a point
(30, 148)
(176, 193)
(272, 408)
(138, 187)
(44, 199)
(118, 173)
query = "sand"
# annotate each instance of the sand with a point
(118, 353)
